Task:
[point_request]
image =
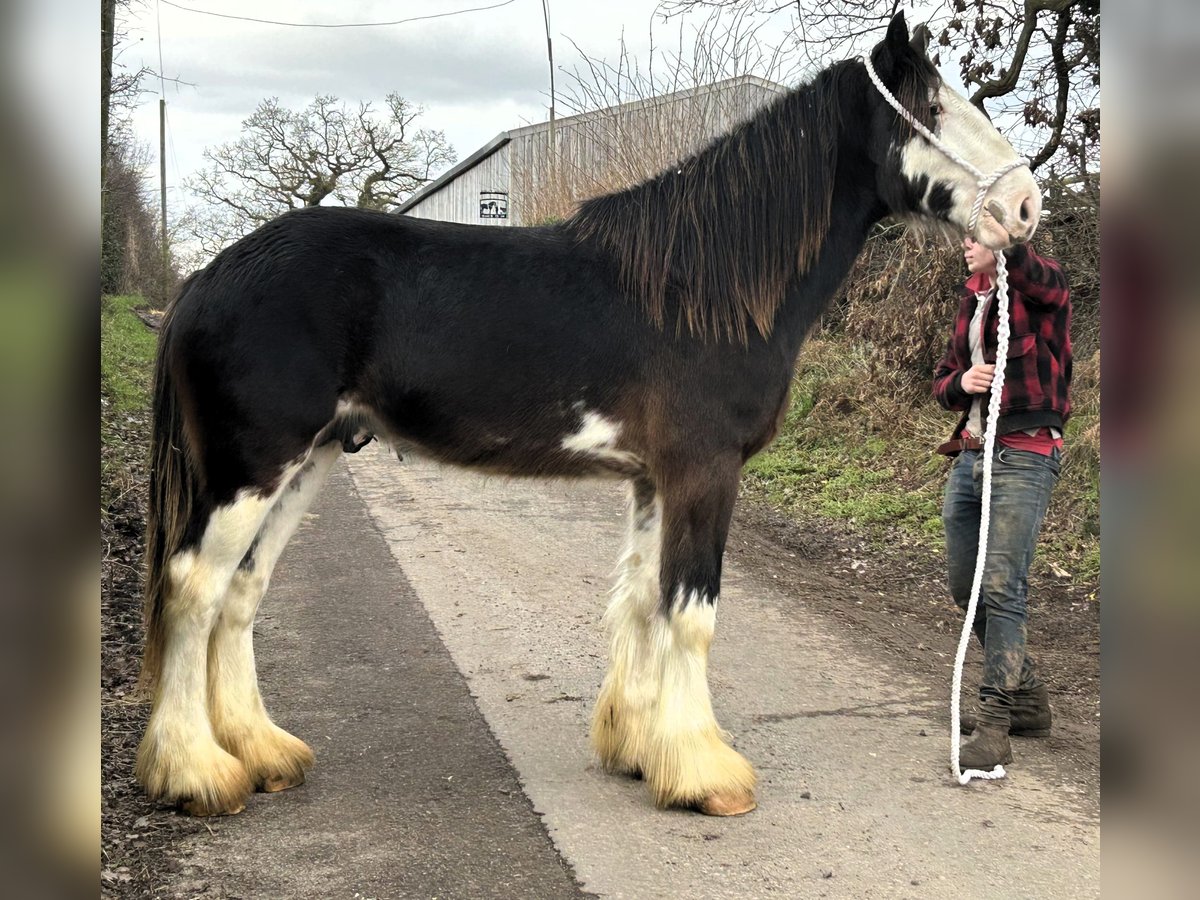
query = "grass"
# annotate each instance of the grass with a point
(127, 350)
(842, 480)
(833, 458)
(1072, 530)
(126, 354)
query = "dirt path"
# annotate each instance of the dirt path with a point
(891, 599)
(855, 801)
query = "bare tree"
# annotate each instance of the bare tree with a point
(131, 261)
(1036, 63)
(1040, 60)
(324, 153)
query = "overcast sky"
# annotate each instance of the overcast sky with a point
(477, 74)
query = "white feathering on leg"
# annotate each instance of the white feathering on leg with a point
(625, 708)
(690, 762)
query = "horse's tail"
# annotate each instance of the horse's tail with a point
(174, 485)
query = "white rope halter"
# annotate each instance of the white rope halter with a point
(985, 183)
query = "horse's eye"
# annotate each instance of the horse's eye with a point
(935, 109)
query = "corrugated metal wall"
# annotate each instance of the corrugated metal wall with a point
(596, 152)
(459, 201)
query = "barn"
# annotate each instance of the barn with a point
(515, 179)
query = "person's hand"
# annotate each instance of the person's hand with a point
(978, 379)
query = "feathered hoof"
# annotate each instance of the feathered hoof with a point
(200, 781)
(702, 772)
(274, 759)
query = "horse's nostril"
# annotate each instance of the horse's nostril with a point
(1025, 210)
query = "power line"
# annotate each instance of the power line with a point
(456, 12)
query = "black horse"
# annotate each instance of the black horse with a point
(651, 337)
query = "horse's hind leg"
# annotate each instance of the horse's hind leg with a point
(688, 762)
(274, 759)
(179, 760)
(625, 708)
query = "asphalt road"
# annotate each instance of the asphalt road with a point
(435, 637)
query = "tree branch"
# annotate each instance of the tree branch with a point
(1062, 71)
(1005, 84)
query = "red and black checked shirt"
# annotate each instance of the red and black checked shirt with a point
(1037, 376)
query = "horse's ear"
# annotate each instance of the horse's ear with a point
(897, 33)
(892, 48)
(920, 39)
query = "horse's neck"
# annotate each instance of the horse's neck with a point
(855, 209)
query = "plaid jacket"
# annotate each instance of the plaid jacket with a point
(1037, 376)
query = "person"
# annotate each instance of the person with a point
(1034, 407)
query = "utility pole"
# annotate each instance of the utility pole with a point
(162, 174)
(550, 57)
(165, 281)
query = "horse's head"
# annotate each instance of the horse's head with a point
(921, 182)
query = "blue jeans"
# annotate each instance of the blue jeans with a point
(1021, 486)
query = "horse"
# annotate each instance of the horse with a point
(650, 337)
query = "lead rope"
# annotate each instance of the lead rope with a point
(985, 183)
(989, 443)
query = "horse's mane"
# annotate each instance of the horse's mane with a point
(710, 236)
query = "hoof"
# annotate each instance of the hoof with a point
(622, 768)
(211, 807)
(274, 759)
(737, 803)
(200, 780)
(274, 783)
(702, 772)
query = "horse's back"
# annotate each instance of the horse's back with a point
(327, 270)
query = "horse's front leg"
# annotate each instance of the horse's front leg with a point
(688, 762)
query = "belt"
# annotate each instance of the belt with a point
(958, 445)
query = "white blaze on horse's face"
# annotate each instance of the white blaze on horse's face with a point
(1013, 204)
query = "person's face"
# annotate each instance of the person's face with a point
(979, 258)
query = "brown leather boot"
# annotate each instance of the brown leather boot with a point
(986, 748)
(1030, 714)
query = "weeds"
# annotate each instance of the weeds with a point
(127, 350)
(126, 354)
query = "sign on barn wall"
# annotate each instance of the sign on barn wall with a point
(493, 204)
